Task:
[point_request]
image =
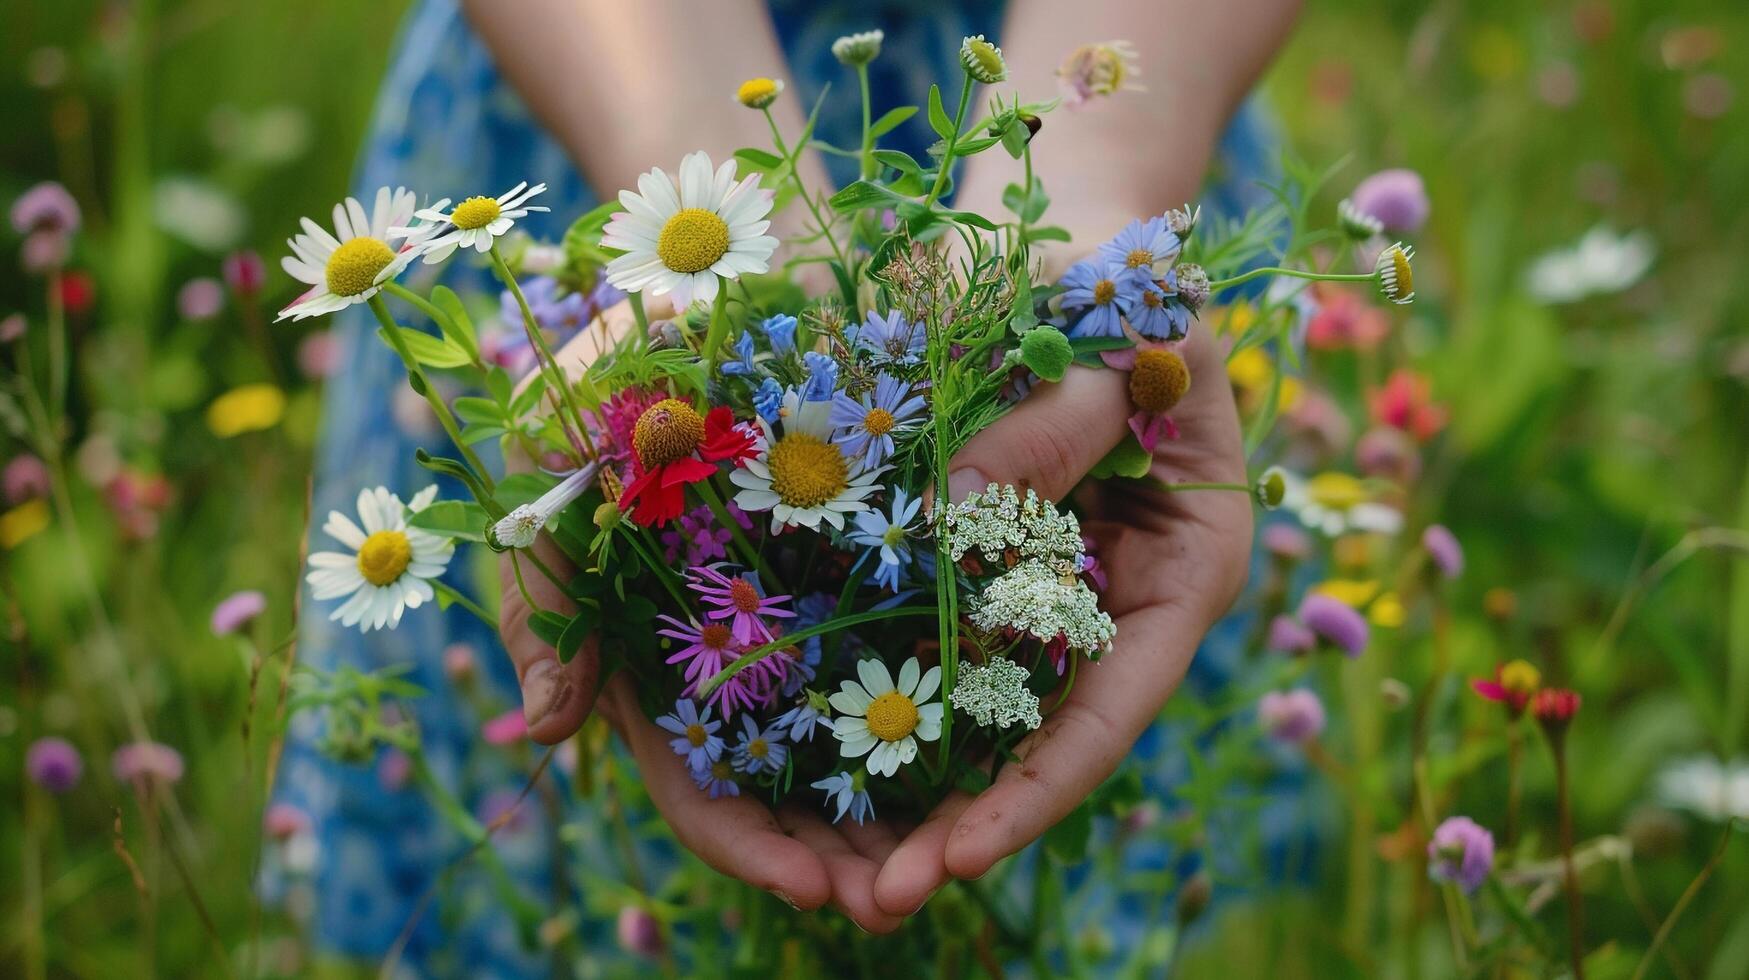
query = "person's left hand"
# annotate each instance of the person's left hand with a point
(1175, 562)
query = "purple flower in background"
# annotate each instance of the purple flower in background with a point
(26, 478)
(698, 743)
(54, 764)
(1335, 622)
(698, 537)
(1289, 541)
(200, 298)
(1461, 852)
(236, 610)
(45, 207)
(1295, 716)
(866, 427)
(562, 315)
(1442, 546)
(740, 600)
(891, 339)
(1104, 293)
(503, 808)
(1289, 635)
(1397, 198)
(147, 761)
(639, 932)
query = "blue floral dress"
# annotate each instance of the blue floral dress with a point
(447, 124)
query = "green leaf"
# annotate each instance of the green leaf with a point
(428, 350)
(759, 159)
(1066, 842)
(575, 632)
(1014, 137)
(890, 121)
(972, 218)
(458, 327)
(1127, 458)
(1046, 352)
(478, 411)
(938, 119)
(1029, 207)
(452, 519)
(1049, 233)
(862, 194)
(899, 161)
(970, 147)
(549, 626)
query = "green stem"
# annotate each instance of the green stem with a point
(658, 568)
(636, 301)
(718, 330)
(549, 363)
(425, 387)
(426, 307)
(1688, 894)
(959, 117)
(812, 205)
(1244, 278)
(759, 653)
(868, 161)
(714, 501)
(1174, 487)
(444, 590)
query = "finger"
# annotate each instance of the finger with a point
(1080, 744)
(852, 874)
(735, 835)
(874, 839)
(556, 697)
(1050, 440)
(917, 868)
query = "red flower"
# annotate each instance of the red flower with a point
(1555, 707)
(1513, 685)
(78, 291)
(1406, 403)
(673, 447)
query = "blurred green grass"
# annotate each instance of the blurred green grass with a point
(1587, 439)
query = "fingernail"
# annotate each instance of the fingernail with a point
(963, 481)
(788, 900)
(544, 689)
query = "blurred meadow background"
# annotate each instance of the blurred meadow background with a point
(1595, 466)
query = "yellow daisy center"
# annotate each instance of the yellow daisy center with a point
(722, 770)
(756, 93)
(696, 734)
(758, 749)
(354, 266)
(1153, 300)
(1520, 677)
(1159, 380)
(806, 471)
(1337, 491)
(475, 212)
(1104, 291)
(891, 717)
(1404, 273)
(894, 534)
(693, 240)
(667, 431)
(1138, 258)
(385, 555)
(878, 422)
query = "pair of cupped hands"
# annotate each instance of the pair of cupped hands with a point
(1175, 561)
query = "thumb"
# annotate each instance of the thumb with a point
(1050, 440)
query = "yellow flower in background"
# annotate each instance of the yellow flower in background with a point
(1252, 371)
(1352, 592)
(1387, 611)
(23, 522)
(248, 408)
(757, 93)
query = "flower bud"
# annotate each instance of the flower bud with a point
(983, 60)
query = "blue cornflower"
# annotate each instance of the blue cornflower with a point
(768, 399)
(801, 720)
(1142, 249)
(891, 340)
(759, 751)
(866, 428)
(718, 779)
(698, 740)
(743, 362)
(887, 532)
(781, 331)
(1158, 316)
(846, 789)
(822, 377)
(1105, 293)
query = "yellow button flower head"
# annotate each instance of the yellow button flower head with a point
(247, 408)
(983, 60)
(758, 93)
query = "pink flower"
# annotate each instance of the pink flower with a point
(639, 932)
(200, 299)
(1406, 403)
(26, 478)
(1335, 622)
(394, 769)
(13, 327)
(741, 601)
(1295, 716)
(1443, 547)
(1150, 429)
(284, 821)
(1397, 198)
(45, 207)
(319, 355)
(1387, 452)
(236, 610)
(506, 729)
(1289, 635)
(1344, 321)
(459, 662)
(54, 764)
(1461, 852)
(147, 762)
(44, 251)
(1288, 541)
(244, 272)
(706, 650)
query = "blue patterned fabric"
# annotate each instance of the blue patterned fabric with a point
(446, 124)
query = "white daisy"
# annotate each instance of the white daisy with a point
(884, 721)
(1336, 503)
(802, 477)
(390, 567)
(474, 223)
(681, 236)
(350, 265)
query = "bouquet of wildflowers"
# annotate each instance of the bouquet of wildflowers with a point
(749, 477)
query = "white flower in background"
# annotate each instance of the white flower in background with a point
(858, 49)
(1337, 503)
(520, 527)
(995, 693)
(680, 237)
(1600, 263)
(803, 477)
(1706, 788)
(883, 720)
(1032, 597)
(350, 265)
(474, 223)
(390, 567)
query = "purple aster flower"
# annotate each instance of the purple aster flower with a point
(768, 399)
(887, 534)
(780, 331)
(742, 365)
(822, 377)
(800, 721)
(1289, 635)
(54, 764)
(718, 780)
(1461, 852)
(698, 537)
(698, 742)
(1143, 249)
(759, 751)
(1335, 622)
(1295, 716)
(561, 315)
(236, 610)
(1103, 293)
(866, 427)
(1159, 315)
(45, 207)
(846, 790)
(1442, 546)
(891, 339)
(147, 761)
(1397, 198)
(740, 600)
(1289, 541)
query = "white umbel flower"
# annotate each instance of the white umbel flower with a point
(474, 223)
(390, 567)
(351, 264)
(883, 720)
(680, 237)
(995, 694)
(1034, 598)
(520, 527)
(802, 476)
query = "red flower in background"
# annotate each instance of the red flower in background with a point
(1554, 707)
(78, 291)
(673, 447)
(1345, 321)
(1406, 403)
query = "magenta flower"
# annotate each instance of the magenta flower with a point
(244, 272)
(284, 821)
(1287, 541)
(45, 207)
(1335, 622)
(706, 650)
(147, 762)
(1295, 716)
(1461, 852)
(639, 932)
(236, 611)
(1397, 198)
(698, 538)
(54, 764)
(26, 477)
(506, 729)
(1289, 635)
(1442, 546)
(459, 662)
(741, 601)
